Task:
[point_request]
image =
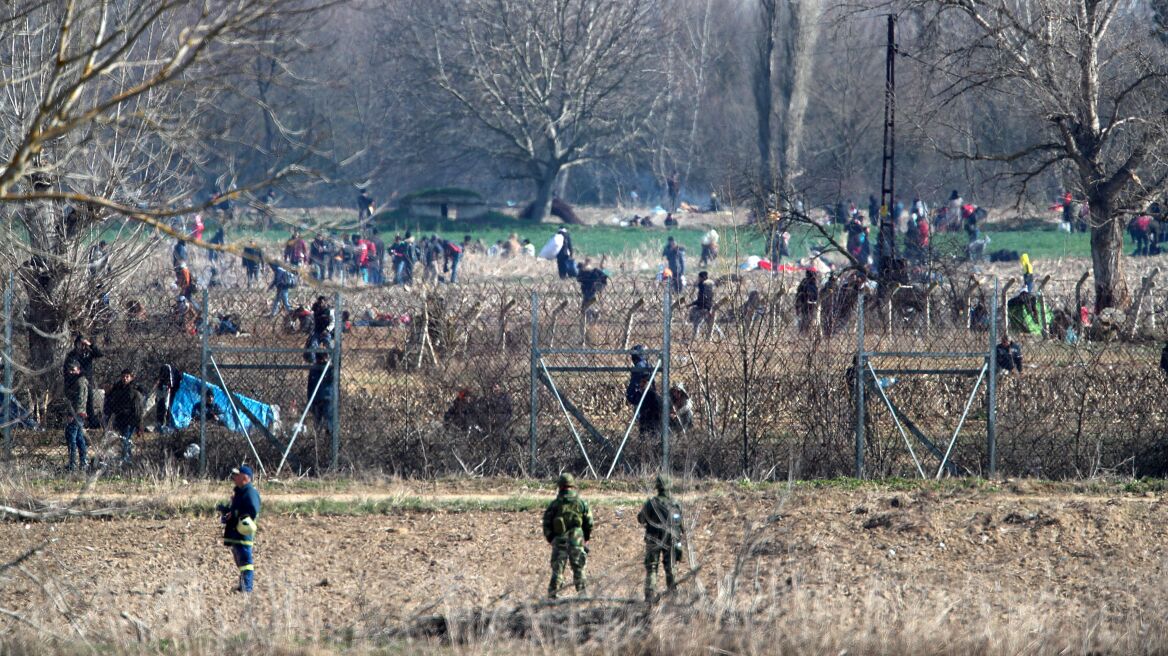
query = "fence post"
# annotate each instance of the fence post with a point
(335, 411)
(204, 353)
(665, 346)
(859, 366)
(532, 428)
(992, 389)
(9, 393)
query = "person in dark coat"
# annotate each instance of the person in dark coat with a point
(239, 525)
(592, 281)
(165, 389)
(806, 299)
(675, 256)
(364, 204)
(649, 415)
(123, 408)
(1164, 358)
(702, 309)
(1009, 355)
(320, 380)
(218, 238)
(564, 257)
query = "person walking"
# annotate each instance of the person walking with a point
(567, 526)
(77, 398)
(664, 536)
(123, 407)
(702, 309)
(282, 281)
(239, 525)
(451, 256)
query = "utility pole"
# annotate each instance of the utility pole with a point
(886, 244)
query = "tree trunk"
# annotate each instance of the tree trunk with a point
(764, 91)
(1107, 256)
(545, 191)
(43, 320)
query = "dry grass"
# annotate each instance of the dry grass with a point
(830, 569)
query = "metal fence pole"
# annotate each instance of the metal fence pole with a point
(665, 346)
(859, 366)
(532, 428)
(9, 394)
(992, 389)
(335, 411)
(204, 357)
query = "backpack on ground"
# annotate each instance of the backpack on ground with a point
(569, 517)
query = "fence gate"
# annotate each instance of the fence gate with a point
(216, 359)
(545, 362)
(875, 372)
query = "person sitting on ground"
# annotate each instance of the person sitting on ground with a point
(227, 325)
(1009, 355)
(212, 408)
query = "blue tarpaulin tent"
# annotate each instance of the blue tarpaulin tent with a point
(188, 396)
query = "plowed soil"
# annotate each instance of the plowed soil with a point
(958, 556)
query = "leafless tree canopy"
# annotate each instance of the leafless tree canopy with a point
(107, 109)
(1088, 78)
(551, 85)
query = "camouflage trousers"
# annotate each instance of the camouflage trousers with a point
(567, 550)
(655, 552)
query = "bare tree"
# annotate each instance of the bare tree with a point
(553, 83)
(789, 30)
(1091, 77)
(103, 107)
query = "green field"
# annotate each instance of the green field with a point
(601, 240)
(737, 242)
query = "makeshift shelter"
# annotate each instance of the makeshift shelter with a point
(183, 408)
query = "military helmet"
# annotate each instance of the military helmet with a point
(566, 481)
(663, 483)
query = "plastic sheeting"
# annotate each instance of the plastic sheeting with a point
(188, 396)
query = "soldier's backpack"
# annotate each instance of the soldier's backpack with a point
(668, 521)
(569, 517)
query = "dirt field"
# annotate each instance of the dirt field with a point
(1026, 569)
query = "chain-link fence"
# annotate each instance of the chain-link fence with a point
(436, 380)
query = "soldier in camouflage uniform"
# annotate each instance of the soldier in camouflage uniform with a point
(567, 525)
(664, 535)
